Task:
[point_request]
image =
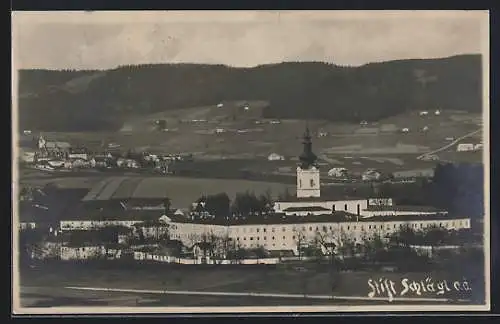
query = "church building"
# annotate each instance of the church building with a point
(308, 180)
(307, 200)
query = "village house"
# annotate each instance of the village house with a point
(337, 172)
(413, 174)
(78, 163)
(99, 162)
(26, 155)
(464, 147)
(89, 252)
(78, 153)
(127, 163)
(275, 157)
(371, 175)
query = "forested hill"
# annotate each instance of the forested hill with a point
(91, 100)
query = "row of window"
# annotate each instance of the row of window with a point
(272, 238)
(362, 227)
(265, 245)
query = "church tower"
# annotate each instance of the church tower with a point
(308, 180)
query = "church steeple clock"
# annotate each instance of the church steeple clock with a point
(307, 158)
(308, 179)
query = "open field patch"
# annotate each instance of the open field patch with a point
(182, 191)
(245, 136)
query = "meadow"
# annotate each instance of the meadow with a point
(244, 135)
(264, 279)
(233, 158)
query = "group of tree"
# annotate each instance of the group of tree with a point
(455, 187)
(83, 100)
(244, 204)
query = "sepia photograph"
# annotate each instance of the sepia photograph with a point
(182, 162)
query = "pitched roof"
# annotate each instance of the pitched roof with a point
(321, 199)
(403, 208)
(336, 217)
(306, 208)
(107, 215)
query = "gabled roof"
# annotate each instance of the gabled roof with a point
(306, 208)
(403, 208)
(335, 217)
(107, 215)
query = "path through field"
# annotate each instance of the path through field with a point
(449, 144)
(249, 294)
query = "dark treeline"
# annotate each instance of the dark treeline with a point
(91, 100)
(244, 204)
(456, 187)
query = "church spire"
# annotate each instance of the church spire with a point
(307, 158)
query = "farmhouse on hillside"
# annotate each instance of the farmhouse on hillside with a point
(337, 172)
(275, 157)
(464, 147)
(370, 175)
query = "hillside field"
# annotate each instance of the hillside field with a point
(220, 136)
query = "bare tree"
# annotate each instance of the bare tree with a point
(347, 243)
(208, 244)
(193, 239)
(300, 240)
(326, 239)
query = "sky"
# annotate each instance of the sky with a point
(79, 40)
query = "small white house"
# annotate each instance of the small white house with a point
(275, 157)
(425, 128)
(220, 105)
(220, 130)
(437, 112)
(83, 156)
(78, 163)
(337, 172)
(463, 147)
(405, 130)
(370, 175)
(127, 163)
(423, 113)
(56, 163)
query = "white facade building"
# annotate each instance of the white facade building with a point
(464, 147)
(275, 157)
(308, 184)
(287, 233)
